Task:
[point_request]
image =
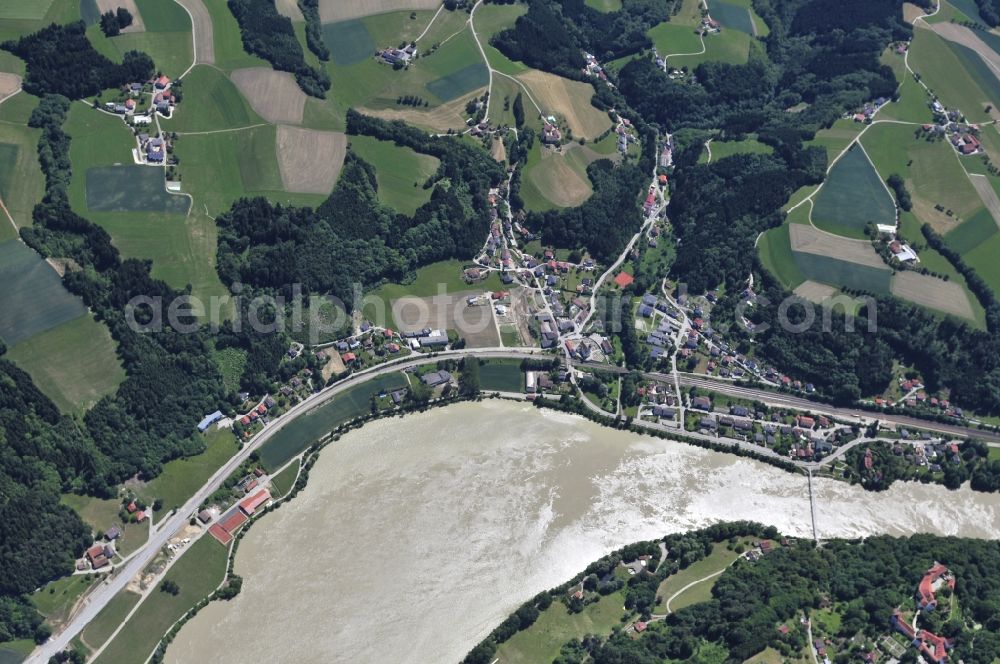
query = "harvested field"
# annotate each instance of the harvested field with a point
(331, 11)
(449, 312)
(927, 291)
(960, 34)
(9, 84)
(111, 5)
(310, 160)
(566, 98)
(987, 193)
(289, 8)
(334, 366)
(911, 12)
(498, 151)
(814, 291)
(204, 39)
(273, 94)
(441, 119)
(809, 240)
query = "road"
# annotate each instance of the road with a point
(117, 581)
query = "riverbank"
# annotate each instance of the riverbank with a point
(480, 506)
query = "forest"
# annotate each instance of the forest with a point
(352, 237)
(863, 581)
(61, 60)
(268, 34)
(989, 10)
(552, 35)
(314, 29)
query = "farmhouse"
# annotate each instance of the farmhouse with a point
(551, 134)
(398, 56)
(436, 378)
(250, 504)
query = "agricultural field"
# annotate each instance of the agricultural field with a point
(933, 174)
(108, 620)
(274, 95)
(852, 196)
(349, 42)
(197, 573)
(732, 46)
(231, 362)
(74, 364)
(557, 179)
(211, 102)
(21, 181)
(204, 37)
(836, 138)
(33, 299)
(837, 261)
(164, 33)
(955, 73)
(946, 296)
(501, 376)
(331, 11)
(399, 171)
(732, 16)
(566, 99)
(181, 478)
(22, 17)
(674, 38)
(309, 160)
(227, 44)
(131, 188)
(776, 255)
(973, 232)
(723, 149)
(815, 291)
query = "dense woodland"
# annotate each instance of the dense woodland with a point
(989, 10)
(352, 237)
(268, 34)
(314, 29)
(61, 60)
(864, 581)
(551, 35)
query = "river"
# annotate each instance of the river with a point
(416, 536)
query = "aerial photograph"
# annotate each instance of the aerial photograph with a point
(499, 331)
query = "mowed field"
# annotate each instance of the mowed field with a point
(331, 11)
(309, 160)
(815, 291)
(955, 73)
(74, 364)
(723, 149)
(22, 17)
(165, 36)
(837, 261)
(557, 179)
(933, 293)
(204, 31)
(21, 181)
(852, 196)
(567, 99)
(474, 324)
(274, 95)
(137, 25)
(33, 299)
(131, 188)
(211, 102)
(399, 171)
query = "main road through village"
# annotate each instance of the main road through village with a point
(163, 531)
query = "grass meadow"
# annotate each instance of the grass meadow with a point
(181, 478)
(852, 196)
(948, 70)
(400, 172)
(211, 102)
(723, 149)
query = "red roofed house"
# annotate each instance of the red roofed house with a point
(806, 422)
(162, 82)
(348, 357)
(95, 555)
(132, 507)
(140, 516)
(262, 409)
(925, 591)
(249, 505)
(640, 627)
(624, 279)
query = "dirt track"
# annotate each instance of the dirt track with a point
(946, 296)
(9, 83)
(331, 11)
(988, 194)
(273, 94)
(310, 160)
(133, 9)
(809, 240)
(204, 40)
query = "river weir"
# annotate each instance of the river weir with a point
(416, 536)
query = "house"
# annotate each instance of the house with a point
(140, 516)
(204, 516)
(701, 403)
(551, 134)
(663, 411)
(209, 420)
(806, 422)
(112, 533)
(251, 504)
(161, 83)
(95, 555)
(926, 601)
(436, 378)
(530, 385)
(645, 310)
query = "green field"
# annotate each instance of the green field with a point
(427, 279)
(720, 558)
(349, 42)
(55, 600)
(950, 71)
(491, 19)
(836, 138)
(557, 179)
(460, 82)
(836, 272)
(285, 480)
(400, 172)
(973, 232)
(604, 5)
(302, 432)
(21, 181)
(181, 478)
(24, 9)
(852, 196)
(229, 52)
(108, 620)
(777, 256)
(33, 299)
(211, 102)
(672, 37)
(556, 625)
(231, 363)
(723, 149)
(501, 377)
(74, 364)
(131, 188)
(98, 513)
(197, 573)
(983, 260)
